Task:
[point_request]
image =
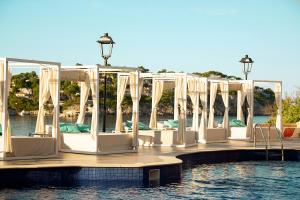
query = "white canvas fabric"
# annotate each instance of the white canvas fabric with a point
(134, 88)
(121, 88)
(175, 104)
(44, 96)
(93, 79)
(241, 96)
(249, 92)
(157, 91)
(141, 84)
(225, 96)
(278, 99)
(179, 90)
(203, 100)
(213, 94)
(193, 92)
(84, 94)
(8, 148)
(54, 92)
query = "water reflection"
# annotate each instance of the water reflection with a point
(246, 180)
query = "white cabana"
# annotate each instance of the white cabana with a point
(97, 142)
(44, 144)
(245, 91)
(214, 132)
(160, 134)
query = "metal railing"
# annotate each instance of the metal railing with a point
(279, 136)
(264, 138)
(267, 140)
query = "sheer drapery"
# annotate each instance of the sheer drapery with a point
(213, 94)
(193, 92)
(44, 95)
(141, 86)
(121, 88)
(8, 148)
(179, 90)
(157, 91)
(54, 92)
(225, 96)
(93, 79)
(84, 94)
(249, 94)
(134, 88)
(278, 99)
(241, 96)
(203, 100)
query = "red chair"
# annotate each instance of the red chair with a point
(288, 132)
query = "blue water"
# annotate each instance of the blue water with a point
(245, 180)
(26, 124)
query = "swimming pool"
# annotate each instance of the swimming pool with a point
(243, 180)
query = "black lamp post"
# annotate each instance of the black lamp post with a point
(247, 63)
(106, 44)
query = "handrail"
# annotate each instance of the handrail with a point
(264, 138)
(279, 135)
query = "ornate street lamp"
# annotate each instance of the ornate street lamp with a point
(106, 44)
(247, 64)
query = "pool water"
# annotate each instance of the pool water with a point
(244, 180)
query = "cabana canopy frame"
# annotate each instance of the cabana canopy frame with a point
(185, 84)
(53, 85)
(79, 73)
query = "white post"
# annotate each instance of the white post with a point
(185, 107)
(197, 105)
(57, 111)
(137, 109)
(280, 110)
(252, 109)
(175, 105)
(4, 106)
(205, 106)
(97, 107)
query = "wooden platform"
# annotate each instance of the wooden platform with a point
(147, 156)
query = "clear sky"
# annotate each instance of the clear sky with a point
(180, 35)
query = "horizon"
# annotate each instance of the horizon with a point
(179, 36)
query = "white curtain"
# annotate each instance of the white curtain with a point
(278, 99)
(225, 96)
(179, 90)
(54, 92)
(93, 79)
(121, 88)
(134, 88)
(175, 105)
(157, 91)
(84, 94)
(213, 94)
(193, 92)
(203, 99)
(141, 86)
(44, 96)
(241, 96)
(8, 148)
(249, 92)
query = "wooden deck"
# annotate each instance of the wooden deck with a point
(147, 156)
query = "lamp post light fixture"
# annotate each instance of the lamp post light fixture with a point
(247, 64)
(106, 44)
